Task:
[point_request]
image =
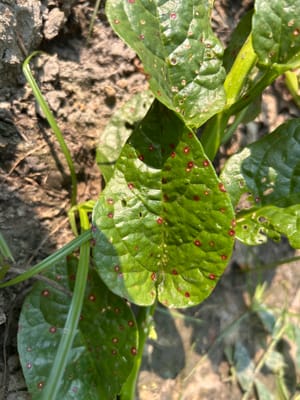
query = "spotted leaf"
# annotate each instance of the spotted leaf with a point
(118, 130)
(263, 181)
(103, 351)
(179, 51)
(164, 224)
(276, 31)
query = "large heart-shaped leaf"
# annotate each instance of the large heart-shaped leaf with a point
(103, 351)
(265, 179)
(276, 31)
(164, 220)
(118, 130)
(179, 51)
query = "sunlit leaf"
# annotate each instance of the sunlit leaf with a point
(179, 51)
(164, 223)
(263, 181)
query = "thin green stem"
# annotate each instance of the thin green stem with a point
(58, 368)
(52, 259)
(52, 122)
(93, 19)
(264, 357)
(144, 321)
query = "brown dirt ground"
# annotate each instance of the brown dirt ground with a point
(84, 83)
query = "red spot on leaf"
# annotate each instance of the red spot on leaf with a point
(117, 310)
(141, 36)
(110, 201)
(197, 243)
(141, 157)
(196, 198)
(151, 147)
(116, 21)
(173, 154)
(173, 15)
(153, 276)
(212, 277)
(92, 297)
(133, 351)
(110, 215)
(222, 210)
(186, 150)
(190, 165)
(94, 228)
(233, 223)
(231, 232)
(130, 323)
(131, 1)
(222, 187)
(165, 197)
(40, 385)
(206, 192)
(205, 163)
(190, 135)
(174, 272)
(159, 94)
(187, 294)
(212, 243)
(130, 186)
(29, 365)
(52, 329)
(224, 257)
(117, 268)
(115, 340)
(45, 293)
(114, 352)
(159, 221)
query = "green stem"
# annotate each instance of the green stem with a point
(52, 122)
(70, 329)
(264, 357)
(144, 321)
(52, 259)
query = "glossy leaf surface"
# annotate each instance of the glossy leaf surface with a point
(263, 181)
(117, 131)
(179, 51)
(163, 225)
(276, 31)
(104, 348)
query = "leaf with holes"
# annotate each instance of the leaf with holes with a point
(276, 31)
(103, 351)
(164, 223)
(179, 51)
(119, 129)
(263, 181)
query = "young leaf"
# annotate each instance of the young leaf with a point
(118, 130)
(266, 175)
(276, 31)
(262, 391)
(244, 366)
(179, 51)
(164, 220)
(104, 347)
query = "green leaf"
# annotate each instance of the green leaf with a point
(264, 181)
(118, 130)
(237, 39)
(244, 366)
(262, 391)
(104, 347)
(179, 51)
(164, 220)
(276, 31)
